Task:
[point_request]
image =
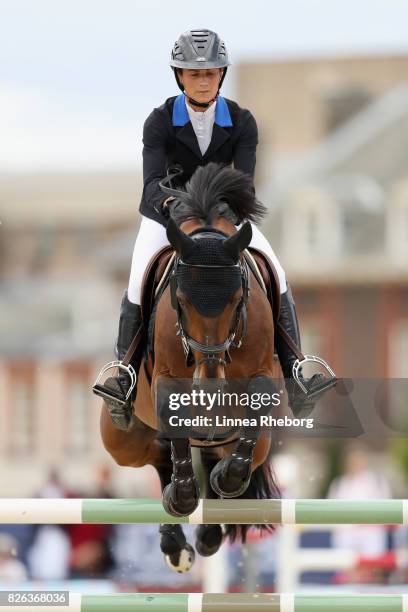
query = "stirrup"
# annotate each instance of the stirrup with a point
(319, 387)
(100, 389)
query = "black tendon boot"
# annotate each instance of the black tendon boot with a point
(115, 389)
(299, 401)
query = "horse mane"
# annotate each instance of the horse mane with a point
(216, 190)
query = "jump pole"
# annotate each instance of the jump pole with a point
(219, 511)
(229, 602)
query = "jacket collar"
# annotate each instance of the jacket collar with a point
(181, 116)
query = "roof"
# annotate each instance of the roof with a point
(70, 198)
(373, 144)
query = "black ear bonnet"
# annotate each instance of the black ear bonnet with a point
(209, 275)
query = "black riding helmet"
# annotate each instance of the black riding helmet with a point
(198, 50)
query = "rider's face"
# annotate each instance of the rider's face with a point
(201, 85)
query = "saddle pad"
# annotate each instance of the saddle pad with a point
(267, 277)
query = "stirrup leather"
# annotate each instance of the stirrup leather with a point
(100, 389)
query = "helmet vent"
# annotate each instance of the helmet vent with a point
(177, 52)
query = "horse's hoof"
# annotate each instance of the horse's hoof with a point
(177, 510)
(181, 561)
(217, 487)
(208, 539)
(172, 538)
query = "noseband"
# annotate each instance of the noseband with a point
(211, 352)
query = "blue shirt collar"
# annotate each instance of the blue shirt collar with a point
(181, 117)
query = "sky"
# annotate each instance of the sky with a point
(78, 77)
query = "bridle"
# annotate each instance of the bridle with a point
(211, 352)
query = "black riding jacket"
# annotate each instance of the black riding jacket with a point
(169, 138)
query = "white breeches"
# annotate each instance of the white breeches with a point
(152, 237)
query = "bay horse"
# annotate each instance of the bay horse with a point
(197, 321)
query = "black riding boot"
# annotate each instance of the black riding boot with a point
(298, 400)
(117, 387)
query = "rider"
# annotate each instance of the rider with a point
(192, 129)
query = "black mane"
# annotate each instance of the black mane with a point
(216, 190)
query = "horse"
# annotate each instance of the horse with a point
(196, 322)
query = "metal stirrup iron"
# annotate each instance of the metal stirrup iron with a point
(102, 391)
(319, 386)
(125, 365)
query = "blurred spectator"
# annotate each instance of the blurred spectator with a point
(24, 535)
(90, 551)
(104, 488)
(400, 543)
(48, 558)
(53, 487)
(360, 481)
(90, 555)
(11, 568)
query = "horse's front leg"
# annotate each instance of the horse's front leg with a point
(231, 476)
(182, 495)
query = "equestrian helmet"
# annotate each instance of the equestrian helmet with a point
(197, 50)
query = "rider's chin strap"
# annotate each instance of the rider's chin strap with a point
(200, 104)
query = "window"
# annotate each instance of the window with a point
(398, 369)
(342, 103)
(398, 350)
(397, 224)
(312, 341)
(77, 417)
(312, 231)
(311, 227)
(22, 418)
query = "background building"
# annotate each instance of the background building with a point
(333, 141)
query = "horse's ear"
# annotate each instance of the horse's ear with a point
(178, 239)
(239, 241)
